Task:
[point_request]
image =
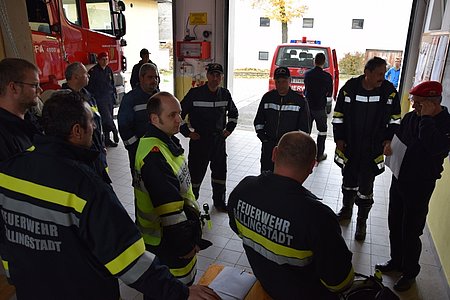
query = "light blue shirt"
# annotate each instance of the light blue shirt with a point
(393, 76)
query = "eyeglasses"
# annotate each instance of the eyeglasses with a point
(34, 85)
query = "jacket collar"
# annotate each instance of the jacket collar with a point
(57, 146)
(172, 142)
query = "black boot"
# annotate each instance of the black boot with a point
(361, 226)
(347, 205)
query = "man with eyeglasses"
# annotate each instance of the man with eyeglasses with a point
(19, 92)
(426, 134)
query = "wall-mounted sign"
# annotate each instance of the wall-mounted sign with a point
(198, 18)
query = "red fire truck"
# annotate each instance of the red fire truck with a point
(66, 31)
(298, 56)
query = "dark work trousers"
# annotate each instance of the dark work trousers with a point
(132, 149)
(408, 209)
(209, 149)
(320, 116)
(359, 177)
(266, 155)
(105, 108)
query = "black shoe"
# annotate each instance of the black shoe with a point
(345, 213)
(110, 144)
(388, 266)
(221, 207)
(404, 283)
(321, 157)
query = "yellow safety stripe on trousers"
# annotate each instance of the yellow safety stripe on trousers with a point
(339, 157)
(125, 258)
(43, 193)
(337, 288)
(275, 248)
(6, 267)
(184, 271)
(31, 148)
(168, 208)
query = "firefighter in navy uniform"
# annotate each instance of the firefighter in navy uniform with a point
(77, 79)
(208, 107)
(132, 117)
(101, 86)
(167, 212)
(366, 115)
(295, 247)
(281, 110)
(19, 92)
(426, 133)
(66, 235)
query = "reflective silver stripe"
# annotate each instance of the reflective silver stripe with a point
(154, 233)
(389, 101)
(203, 104)
(392, 121)
(374, 99)
(39, 213)
(219, 181)
(189, 277)
(366, 197)
(337, 120)
(322, 133)
(350, 188)
(339, 160)
(259, 126)
(347, 99)
(361, 98)
(139, 268)
(173, 219)
(130, 141)
(183, 122)
(380, 165)
(232, 120)
(221, 103)
(209, 104)
(271, 106)
(290, 108)
(278, 259)
(140, 107)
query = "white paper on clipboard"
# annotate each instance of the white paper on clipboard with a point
(232, 283)
(394, 162)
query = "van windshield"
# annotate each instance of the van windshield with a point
(299, 56)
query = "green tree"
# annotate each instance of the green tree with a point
(352, 63)
(281, 10)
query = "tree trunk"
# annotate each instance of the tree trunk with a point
(284, 32)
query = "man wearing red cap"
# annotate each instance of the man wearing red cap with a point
(426, 134)
(101, 86)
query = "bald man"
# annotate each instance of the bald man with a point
(293, 242)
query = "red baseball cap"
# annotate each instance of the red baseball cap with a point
(102, 54)
(427, 89)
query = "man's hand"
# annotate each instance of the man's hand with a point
(226, 133)
(340, 145)
(202, 292)
(194, 136)
(387, 150)
(191, 254)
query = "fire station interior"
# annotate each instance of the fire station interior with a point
(243, 149)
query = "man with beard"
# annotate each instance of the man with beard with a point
(366, 115)
(19, 92)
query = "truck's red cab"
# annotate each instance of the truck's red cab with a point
(298, 56)
(66, 31)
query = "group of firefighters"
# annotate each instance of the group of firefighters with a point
(57, 203)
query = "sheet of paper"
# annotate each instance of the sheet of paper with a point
(394, 162)
(232, 283)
